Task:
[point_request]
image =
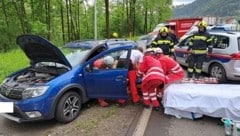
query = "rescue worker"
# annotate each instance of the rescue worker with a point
(106, 62)
(172, 34)
(172, 70)
(199, 46)
(153, 77)
(136, 58)
(114, 35)
(164, 41)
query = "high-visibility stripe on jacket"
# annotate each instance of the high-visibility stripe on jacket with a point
(200, 42)
(165, 43)
(152, 69)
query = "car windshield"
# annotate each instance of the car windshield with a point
(75, 56)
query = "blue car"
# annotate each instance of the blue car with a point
(56, 84)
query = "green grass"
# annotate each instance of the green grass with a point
(12, 61)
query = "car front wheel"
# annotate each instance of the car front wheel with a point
(217, 71)
(68, 107)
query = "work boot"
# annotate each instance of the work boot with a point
(103, 103)
(122, 102)
(156, 108)
(189, 75)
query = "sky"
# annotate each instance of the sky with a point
(175, 2)
(180, 2)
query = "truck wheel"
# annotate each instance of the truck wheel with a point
(68, 107)
(216, 70)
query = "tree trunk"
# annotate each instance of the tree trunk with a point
(62, 23)
(5, 13)
(48, 18)
(68, 24)
(107, 18)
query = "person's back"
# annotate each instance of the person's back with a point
(153, 78)
(172, 70)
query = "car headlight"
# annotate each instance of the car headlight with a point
(34, 91)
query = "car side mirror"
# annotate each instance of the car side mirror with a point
(88, 68)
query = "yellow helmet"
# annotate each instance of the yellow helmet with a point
(164, 29)
(202, 24)
(115, 35)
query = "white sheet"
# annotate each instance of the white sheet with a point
(215, 100)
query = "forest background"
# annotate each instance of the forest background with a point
(62, 21)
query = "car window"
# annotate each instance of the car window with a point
(220, 42)
(185, 42)
(111, 61)
(76, 57)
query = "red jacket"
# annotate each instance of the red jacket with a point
(152, 69)
(172, 70)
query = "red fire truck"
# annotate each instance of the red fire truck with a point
(179, 25)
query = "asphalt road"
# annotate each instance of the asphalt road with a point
(161, 124)
(11, 128)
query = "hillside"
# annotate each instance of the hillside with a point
(219, 8)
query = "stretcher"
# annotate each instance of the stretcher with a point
(193, 100)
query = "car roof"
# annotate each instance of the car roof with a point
(89, 44)
(237, 34)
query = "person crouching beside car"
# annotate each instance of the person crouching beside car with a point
(172, 70)
(153, 77)
(106, 62)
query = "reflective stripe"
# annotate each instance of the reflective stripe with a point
(197, 37)
(209, 40)
(146, 98)
(164, 42)
(190, 70)
(154, 42)
(152, 94)
(153, 73)
(145, 94)
(177, 71)
(199, 51)
(176, 67)
(155, 69)
(198, 70)
(153, 98)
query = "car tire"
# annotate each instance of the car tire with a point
(68, 107)
(216, 70)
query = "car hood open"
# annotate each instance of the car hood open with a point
(39, 49)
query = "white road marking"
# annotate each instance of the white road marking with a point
(142, 122)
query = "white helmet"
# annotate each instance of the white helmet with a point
(108, 60)
(158, 50)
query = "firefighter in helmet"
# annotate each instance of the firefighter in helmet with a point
(164, 41)
(199, 46)
(114, 35)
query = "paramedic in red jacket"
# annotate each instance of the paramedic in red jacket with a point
(153, 77)
(172, 70)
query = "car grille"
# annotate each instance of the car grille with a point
(11, 93)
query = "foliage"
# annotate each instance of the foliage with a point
(68, 20)
(12, 61)
(218, 8)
